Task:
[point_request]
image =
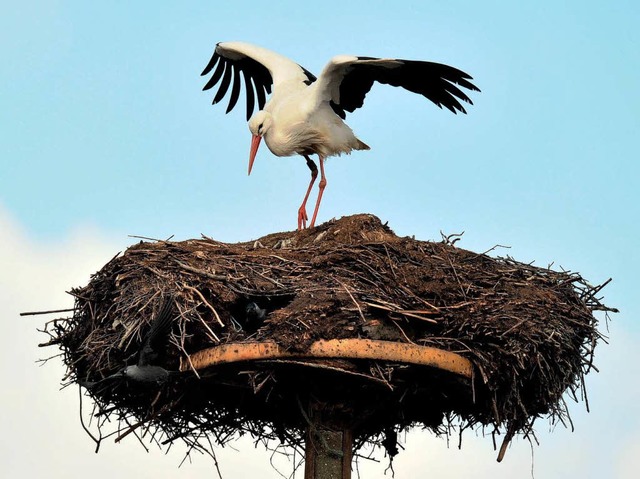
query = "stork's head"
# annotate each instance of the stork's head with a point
(259, 124)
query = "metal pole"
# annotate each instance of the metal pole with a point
(328, 453)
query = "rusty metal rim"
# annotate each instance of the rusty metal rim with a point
(332, 349)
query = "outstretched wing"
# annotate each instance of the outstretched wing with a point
(261, 69)
(346, 80)
(155, 340)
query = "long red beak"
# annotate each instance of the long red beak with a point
(255, 143)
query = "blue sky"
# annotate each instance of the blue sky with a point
(106, 133)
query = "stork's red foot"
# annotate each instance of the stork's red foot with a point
(302, 217)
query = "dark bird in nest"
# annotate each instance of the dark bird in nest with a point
(145, 372)
(249, 316)
(255, 315)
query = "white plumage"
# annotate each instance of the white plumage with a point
(305, 114)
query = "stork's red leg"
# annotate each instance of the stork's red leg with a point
(321, 185)
(302, 212)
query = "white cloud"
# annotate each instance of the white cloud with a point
(628, 460)
(42, 436)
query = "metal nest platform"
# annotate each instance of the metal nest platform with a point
(344, 327)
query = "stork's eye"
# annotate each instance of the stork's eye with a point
(260, 127)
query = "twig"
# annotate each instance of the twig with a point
(393, 269)
(446, 239)
(352, 299)
(597, 289)
(33, 313)
(215, 313)
(217, 277)
(97, 441)
(151, 239)
(395, 323)
(491, 249)
(328, 368)
(398, 310)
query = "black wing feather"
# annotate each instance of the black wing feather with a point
(214, 59)
(224, 85)
(155, 341)
(255, 75)
(217, 74)
(250, 96)
(235, 90)
(261, 97)
(434, 81)
(310, 76)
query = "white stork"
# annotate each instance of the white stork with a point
(304, 114)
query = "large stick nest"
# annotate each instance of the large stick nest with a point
(530, 333)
